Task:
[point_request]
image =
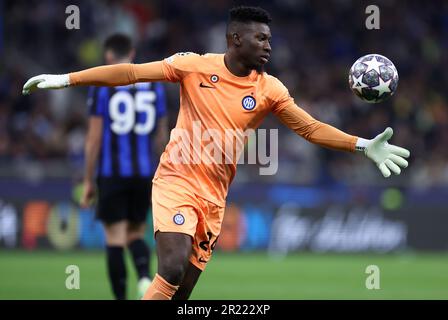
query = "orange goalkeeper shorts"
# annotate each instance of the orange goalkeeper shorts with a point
(177, 209)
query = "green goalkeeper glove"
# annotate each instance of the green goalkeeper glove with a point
(386, 156)
(46, 81)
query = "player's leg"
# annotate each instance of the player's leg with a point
(139, 249)
(139, 204)
(205, 239)
(173, 253)
(175, 216)
(115, 245)
(140, 255)
(188, 282)
(111, 211)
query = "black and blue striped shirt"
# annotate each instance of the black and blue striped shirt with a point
(130, 115)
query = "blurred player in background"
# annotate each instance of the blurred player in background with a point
(127, 131)
(220, 92)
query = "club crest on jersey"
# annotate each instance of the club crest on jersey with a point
(179, 218)
(248, 102)
(214, 78)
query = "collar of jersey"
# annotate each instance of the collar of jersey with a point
(251, 76)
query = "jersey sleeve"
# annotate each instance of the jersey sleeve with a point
(315, 131)
(161, 100)
(279, 96)
(179, 65)
(118, 74)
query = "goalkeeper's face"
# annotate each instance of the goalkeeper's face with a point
(255, 48)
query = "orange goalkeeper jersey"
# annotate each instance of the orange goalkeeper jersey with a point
(216, 109)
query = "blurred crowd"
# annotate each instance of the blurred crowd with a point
(314, 44)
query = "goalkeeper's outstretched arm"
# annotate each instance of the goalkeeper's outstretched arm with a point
(388, 158)
(111, 75)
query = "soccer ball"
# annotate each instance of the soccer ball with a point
(373, 78)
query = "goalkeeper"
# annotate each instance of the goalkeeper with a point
(221, 92)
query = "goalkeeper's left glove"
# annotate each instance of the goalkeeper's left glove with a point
(386, 156)
(46, 81)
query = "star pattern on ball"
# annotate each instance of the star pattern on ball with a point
(373, 65)
(373, 78)
(383, 87)
(358, 84)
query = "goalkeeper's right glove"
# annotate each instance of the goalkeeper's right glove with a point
(46, 81)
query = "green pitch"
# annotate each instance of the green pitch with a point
(41, 275)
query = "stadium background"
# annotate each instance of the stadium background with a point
(309, 231)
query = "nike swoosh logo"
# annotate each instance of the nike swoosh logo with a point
(204, 86)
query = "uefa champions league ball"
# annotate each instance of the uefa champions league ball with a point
(373, 78)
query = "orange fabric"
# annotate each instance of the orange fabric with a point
(218, 107)
(160, 289)
(118, 74)
(315, 131)
(211, 97)
(176, 209)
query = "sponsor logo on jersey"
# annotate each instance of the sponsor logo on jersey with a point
(206, 86)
